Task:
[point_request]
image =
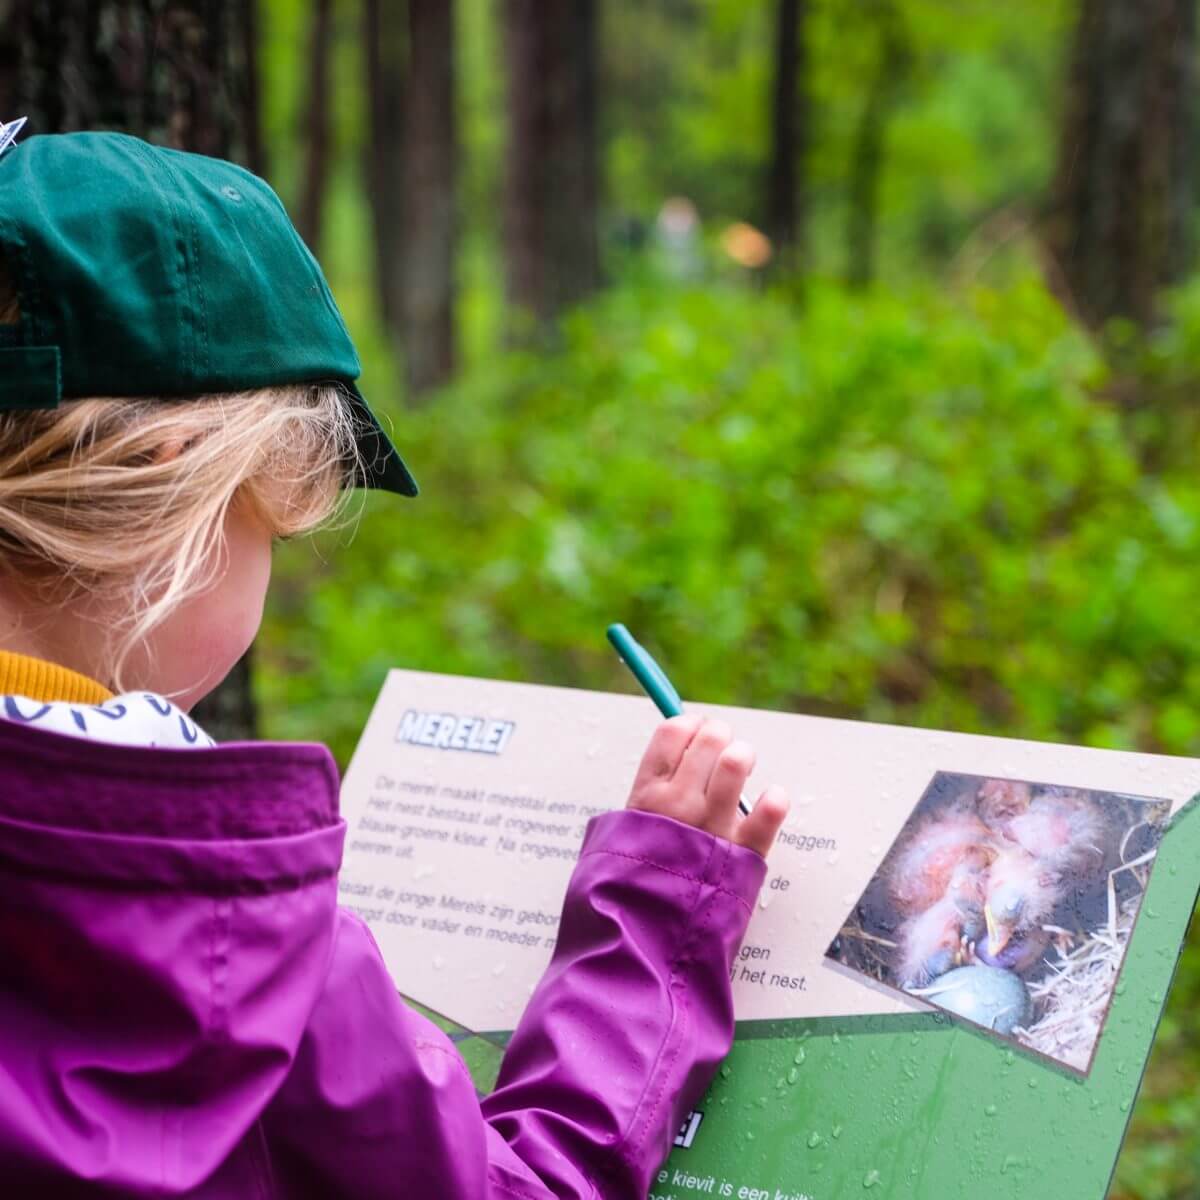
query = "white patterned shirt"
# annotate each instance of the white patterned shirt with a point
(132, 719)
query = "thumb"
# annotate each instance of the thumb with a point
(757, 832)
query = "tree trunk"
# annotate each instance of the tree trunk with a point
(385, 38)
(1125, 189)
(315, 133)
(429, 208)
(250, 94)
(171, 71)
(10, 60)
(229, 712)
(785, 207)
(866, 165)
(552, 178)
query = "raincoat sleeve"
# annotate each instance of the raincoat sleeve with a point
(619, 1039)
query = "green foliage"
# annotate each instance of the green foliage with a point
(972, 129)
(905, 508)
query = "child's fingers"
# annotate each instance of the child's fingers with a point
(728, 777)
(666, 748)
(757, 832)
(696, 765)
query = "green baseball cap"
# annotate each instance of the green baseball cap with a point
(144, 271)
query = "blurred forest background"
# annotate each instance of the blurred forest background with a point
(849, 350)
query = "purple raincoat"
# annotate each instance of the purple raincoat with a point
(184, 1010)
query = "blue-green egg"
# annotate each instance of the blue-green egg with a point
(990, 996)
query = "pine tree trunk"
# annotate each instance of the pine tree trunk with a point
(175, 72)
(10, 60)
(315, 132)
(170, 71)
(552, 177)
(385, 47)
(785, 205)
(229, 713)
(429, 216)
(250, 118)
(867, 160)
(1125, 187)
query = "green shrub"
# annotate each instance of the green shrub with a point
(916, 509)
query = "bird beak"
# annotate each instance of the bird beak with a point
(998, 935)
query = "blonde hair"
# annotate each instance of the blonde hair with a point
(125, 499)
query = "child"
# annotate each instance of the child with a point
(184, 1011)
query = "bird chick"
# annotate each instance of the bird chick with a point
(1064, 830)
(943, 935)
(1020, 893)
(1002, 799)
(1018, 953)
(924, 866)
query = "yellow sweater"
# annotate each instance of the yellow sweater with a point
(41, 680)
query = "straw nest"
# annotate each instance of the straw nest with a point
(1073, 985)
(1072, 997)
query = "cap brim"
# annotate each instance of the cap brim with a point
(381, 466)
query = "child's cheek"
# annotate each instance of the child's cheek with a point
(202, 640)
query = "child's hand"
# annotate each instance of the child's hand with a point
(694, 771)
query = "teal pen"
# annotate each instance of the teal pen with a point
(653, 679)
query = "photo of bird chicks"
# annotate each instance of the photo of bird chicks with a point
(1010, 904)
